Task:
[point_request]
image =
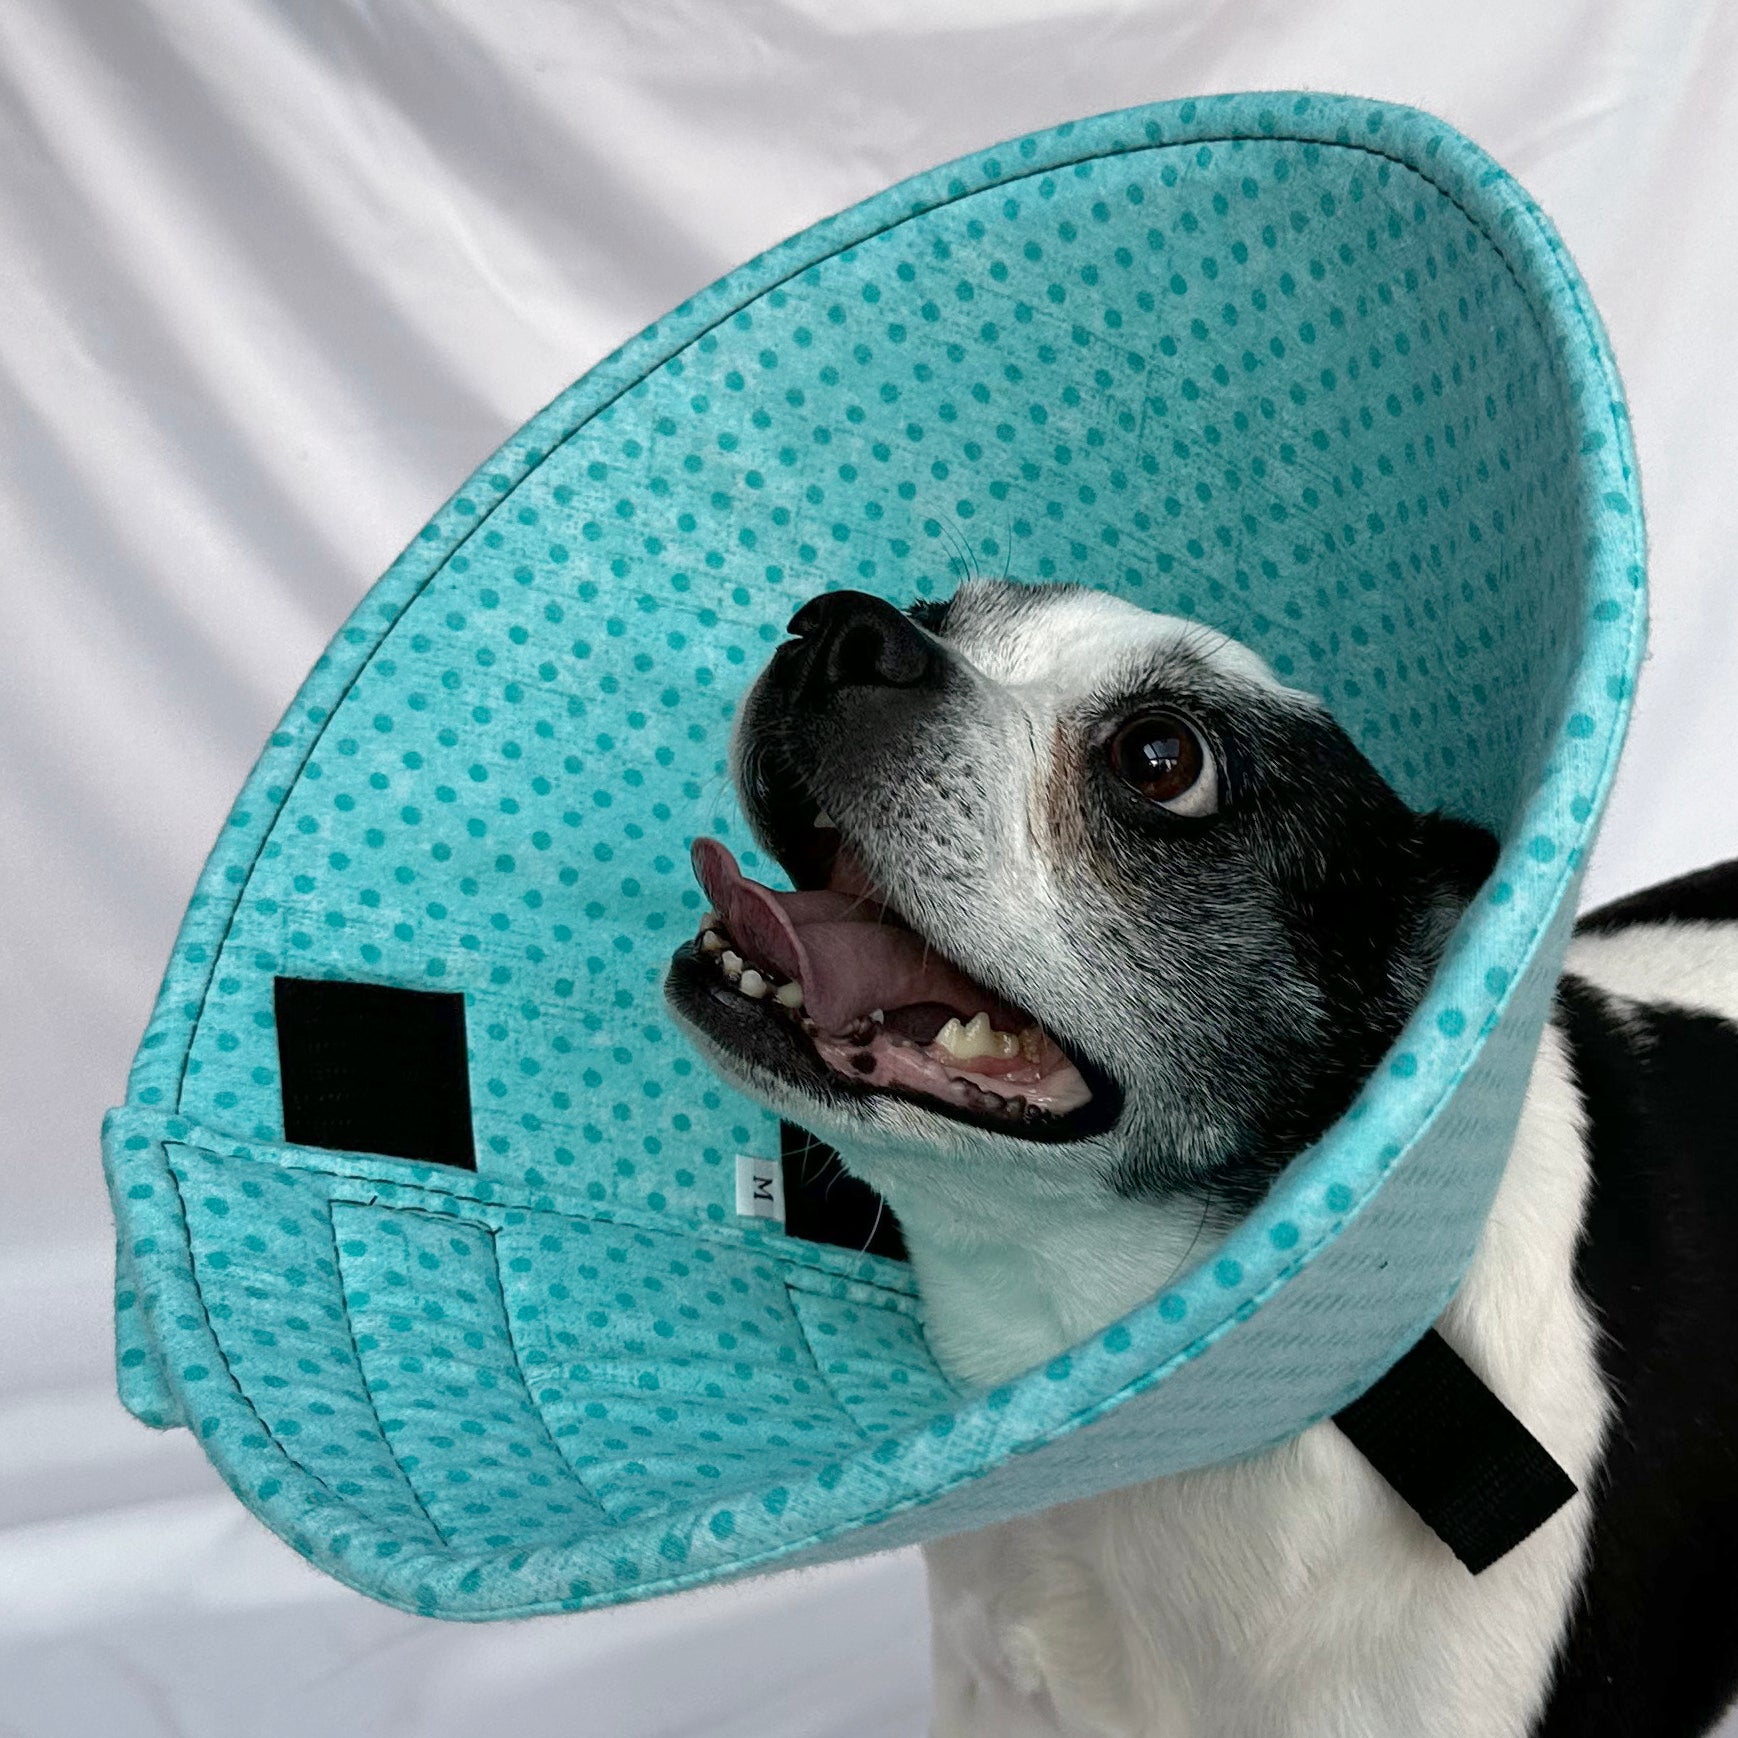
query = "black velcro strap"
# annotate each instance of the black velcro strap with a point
(1477, 1477)
(368, 1068)
(824, 1203)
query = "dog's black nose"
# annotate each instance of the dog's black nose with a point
(848, 639)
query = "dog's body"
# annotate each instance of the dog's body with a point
(1205, 918)
(1295, 1594)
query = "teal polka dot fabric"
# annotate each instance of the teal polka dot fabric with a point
(1312, 369)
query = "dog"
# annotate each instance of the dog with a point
(1097, 925)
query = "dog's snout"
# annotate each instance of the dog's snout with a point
(848, 639)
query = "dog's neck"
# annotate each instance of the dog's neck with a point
(1016, 1267)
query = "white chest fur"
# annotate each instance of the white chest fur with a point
(1293, 1595)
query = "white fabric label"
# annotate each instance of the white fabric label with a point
(760, 1187)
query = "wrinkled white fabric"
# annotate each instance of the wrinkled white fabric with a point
(273, 278)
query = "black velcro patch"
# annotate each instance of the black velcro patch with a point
(369, 1068)
(1477, 1477)
(824, 1203)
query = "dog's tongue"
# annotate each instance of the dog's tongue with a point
(850, 956)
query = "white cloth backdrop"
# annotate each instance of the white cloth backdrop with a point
(273, 278)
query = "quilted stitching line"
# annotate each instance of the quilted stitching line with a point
(273, 1441)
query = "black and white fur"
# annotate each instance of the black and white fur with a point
(1226, 980)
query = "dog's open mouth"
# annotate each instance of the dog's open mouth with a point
(880, 1005)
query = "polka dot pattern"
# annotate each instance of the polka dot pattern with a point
(502, 801)
(671, 1371)
(264, 1251)
(425, 1303)
(868, 1343)
(1312, 370)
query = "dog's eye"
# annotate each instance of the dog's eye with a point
(1164, 758)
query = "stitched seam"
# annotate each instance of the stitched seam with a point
(241, 1393)
(531, 1402)
(506, 1195)
(367, 1386)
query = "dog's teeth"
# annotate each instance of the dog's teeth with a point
(987, 1041)
(976, 1038)
(732, 963)
(878, 1015)
(712, 942)
(1031, 1043)
(823, 819)
(752, 984)
(789, 995)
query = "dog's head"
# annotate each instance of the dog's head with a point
(1078, 886)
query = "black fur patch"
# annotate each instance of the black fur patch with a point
(1653, 1644)
(824, 1203)
(1703, 896)
(1305, 916)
